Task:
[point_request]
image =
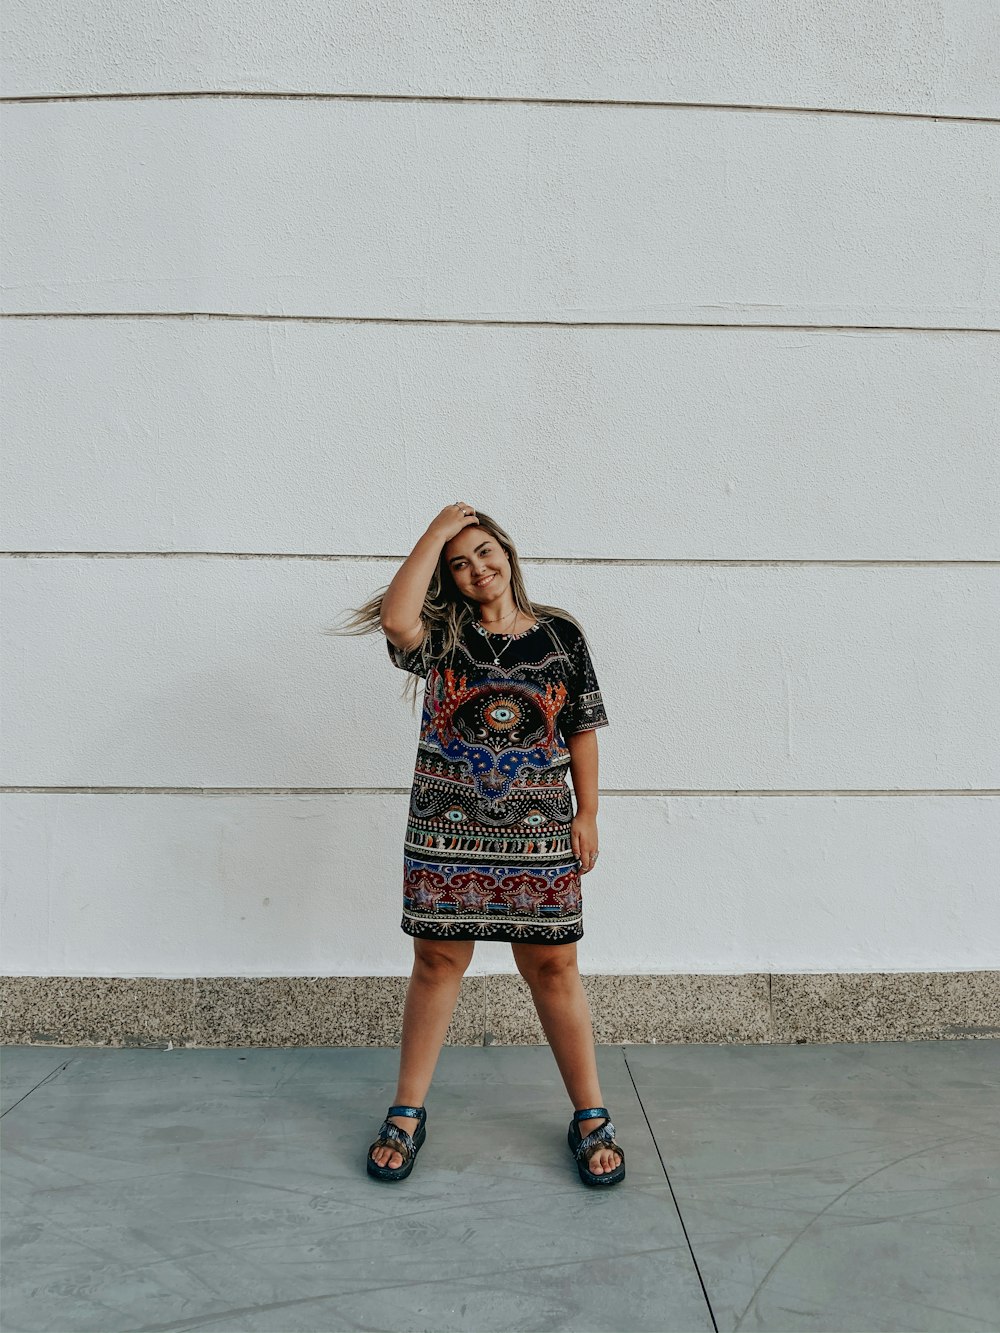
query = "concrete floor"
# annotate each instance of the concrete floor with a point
(834, 1187)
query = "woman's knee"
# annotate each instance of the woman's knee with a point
(546, 964)
(443, 957)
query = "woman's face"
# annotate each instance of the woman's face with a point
(478, 564)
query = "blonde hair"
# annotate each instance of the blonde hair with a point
(445, 608)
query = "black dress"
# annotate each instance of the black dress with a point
(488, 853)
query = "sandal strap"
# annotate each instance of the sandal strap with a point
(601, 1137)
(591, 1113)
(411, 1112)
(391, 1136)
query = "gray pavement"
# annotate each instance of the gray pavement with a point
(807, 1187)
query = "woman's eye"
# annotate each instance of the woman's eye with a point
(461, 564)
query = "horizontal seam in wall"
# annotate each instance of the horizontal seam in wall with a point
(726, 562)
(458, 99)
(444, 320)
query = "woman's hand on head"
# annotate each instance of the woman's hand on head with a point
(452, 519)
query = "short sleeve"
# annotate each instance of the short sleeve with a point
(584, 708)
(416, 660)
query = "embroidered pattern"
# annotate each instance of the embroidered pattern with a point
(488, 852)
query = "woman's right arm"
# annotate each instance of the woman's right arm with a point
(403, 600)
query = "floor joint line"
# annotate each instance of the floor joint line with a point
(666, 1176)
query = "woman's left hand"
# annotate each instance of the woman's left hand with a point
(583, 831)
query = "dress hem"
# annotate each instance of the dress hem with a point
(499, 932)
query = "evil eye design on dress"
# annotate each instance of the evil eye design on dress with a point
(535, 818)
(501, 717)
(456, 814)
(502, 714)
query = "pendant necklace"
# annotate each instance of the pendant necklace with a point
(489, 642)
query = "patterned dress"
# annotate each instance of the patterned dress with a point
(488, 853)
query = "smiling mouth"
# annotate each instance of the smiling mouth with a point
(485, 582)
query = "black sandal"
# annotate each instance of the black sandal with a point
(601, 1137)
(393, 1136)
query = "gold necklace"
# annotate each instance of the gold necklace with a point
(513, 613)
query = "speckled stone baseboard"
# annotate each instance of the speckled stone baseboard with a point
(366, 1011)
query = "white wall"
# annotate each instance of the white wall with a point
(726, 367)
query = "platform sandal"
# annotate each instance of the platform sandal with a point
(397, 1138)
(601, 1137)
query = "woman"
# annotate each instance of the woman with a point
(493, 850)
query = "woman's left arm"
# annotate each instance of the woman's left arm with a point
(583, 767)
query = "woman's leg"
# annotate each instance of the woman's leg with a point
(438, 968)
(553, 976)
